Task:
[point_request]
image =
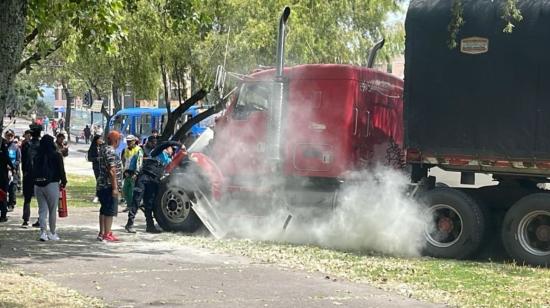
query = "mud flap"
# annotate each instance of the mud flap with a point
(209, 216)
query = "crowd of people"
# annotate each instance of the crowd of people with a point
(34, 164)
(55, 125)
(132, 177)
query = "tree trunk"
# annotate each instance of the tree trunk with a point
(104, 111)
(69, 97)
(178, 80)
(165, 83)
(13, 19)
(178, 112)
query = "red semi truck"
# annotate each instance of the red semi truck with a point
(477, 108)
(299, 129)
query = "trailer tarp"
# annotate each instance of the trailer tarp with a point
(489, 96)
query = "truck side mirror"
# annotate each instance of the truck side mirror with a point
(219, 83)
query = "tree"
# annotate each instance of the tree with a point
(13, 16)
(32, 30)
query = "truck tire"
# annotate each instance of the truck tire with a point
(173, 210)
(526, 230)
(459, 224)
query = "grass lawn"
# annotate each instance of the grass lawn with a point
(21, 290)
(80, 192)
(456, 283)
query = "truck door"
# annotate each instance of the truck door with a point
(240, 138)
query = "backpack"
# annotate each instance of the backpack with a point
(30, 153)
(43, 173)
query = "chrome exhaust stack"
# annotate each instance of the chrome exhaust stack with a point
(277, 101)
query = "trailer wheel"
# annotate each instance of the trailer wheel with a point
(526, 230)
(458, 224)
(173, 208)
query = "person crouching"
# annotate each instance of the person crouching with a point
(48, 176)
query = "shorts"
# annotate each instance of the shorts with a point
(109, 205)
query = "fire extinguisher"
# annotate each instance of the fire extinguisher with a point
(63, 210)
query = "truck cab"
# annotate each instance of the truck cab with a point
(337, 119)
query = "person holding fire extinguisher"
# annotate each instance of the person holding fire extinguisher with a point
(49, 176)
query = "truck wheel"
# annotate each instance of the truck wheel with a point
(526, 230)
(458, 224)
(173, 209)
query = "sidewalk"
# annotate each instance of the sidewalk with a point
(143, 270)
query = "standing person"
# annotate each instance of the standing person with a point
(93, 157)
(28, 152)
(61, 124)
(147, 186)
(108, 186)
(54, 126)
(132, 158)
(87, 134)
(46, 123)
(61, 144)
(149, 146)
(14, 154)
(5, 167)
(26, 138)
(49, 176)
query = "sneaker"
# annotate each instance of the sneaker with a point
(36, 224)
(44, 236)
(99, 237)
(25, 225)
(3, 219)
(10, 208)
(110, 237)
(53, 237)
(96, 200)
(129, 229)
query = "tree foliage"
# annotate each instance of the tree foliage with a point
(152, 45)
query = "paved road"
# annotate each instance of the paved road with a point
(144, 271)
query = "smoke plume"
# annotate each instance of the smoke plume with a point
(373, 214)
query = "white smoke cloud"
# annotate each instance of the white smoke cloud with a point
(374, 213)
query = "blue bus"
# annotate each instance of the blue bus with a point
(142, 121)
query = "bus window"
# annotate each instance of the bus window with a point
(146, 124)
(127, 127)
(120, 122)
(137, 125)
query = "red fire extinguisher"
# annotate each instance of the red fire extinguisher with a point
(63, 210)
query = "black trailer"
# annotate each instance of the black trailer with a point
(481, 107)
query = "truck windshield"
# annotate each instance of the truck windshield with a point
(254, 96)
